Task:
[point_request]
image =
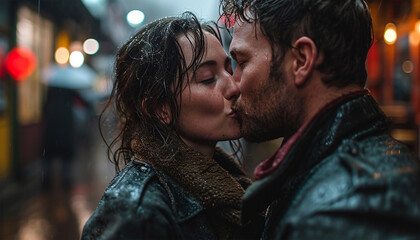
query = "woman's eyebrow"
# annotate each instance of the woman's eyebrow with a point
(207, 63)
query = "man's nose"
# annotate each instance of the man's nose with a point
(231, 88)
(236, 75)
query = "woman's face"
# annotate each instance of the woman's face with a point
(206, 115)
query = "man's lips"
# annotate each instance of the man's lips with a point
(233, 114)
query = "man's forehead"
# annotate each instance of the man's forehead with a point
(248, 40)
(242, 27)
(241, 39)
(246, 30)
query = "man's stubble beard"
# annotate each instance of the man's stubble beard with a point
(273, 112)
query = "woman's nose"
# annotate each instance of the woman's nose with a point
(231, 88)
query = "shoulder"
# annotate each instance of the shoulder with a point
(136, 203)
(361, 189)
(376, 167)
(133, 187)
(131, 181)
(376, 158)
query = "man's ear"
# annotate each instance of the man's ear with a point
(305, 55)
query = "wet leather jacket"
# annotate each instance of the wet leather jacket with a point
(344, 178)
(145, 202)
(121, 216)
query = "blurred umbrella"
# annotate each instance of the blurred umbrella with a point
(69, 77)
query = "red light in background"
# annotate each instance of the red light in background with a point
(20, 63)
(227, 20)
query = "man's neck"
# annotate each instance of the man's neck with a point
(319, 95)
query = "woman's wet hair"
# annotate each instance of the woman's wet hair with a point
(150, 74)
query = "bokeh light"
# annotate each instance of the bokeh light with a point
(417, 26)
(76, 59)
(76, 46)
(414, 38)
(20, 63)
(91, 46)
(408, 66)
(390, 34)
(62, 55)
(135, 17)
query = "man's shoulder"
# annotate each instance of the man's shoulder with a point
(374, 167)
(375, 180)
(377, 154)
(370, 158)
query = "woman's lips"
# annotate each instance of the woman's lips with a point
(233, 114)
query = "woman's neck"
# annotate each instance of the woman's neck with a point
(206, 148)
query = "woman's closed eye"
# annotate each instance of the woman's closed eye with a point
(208, 81)
(205, 75)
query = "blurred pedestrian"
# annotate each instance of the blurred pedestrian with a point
(338, 175)
(59, 135)
(173, 92)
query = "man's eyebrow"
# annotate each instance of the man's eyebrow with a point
(227, 60)
(235, 53)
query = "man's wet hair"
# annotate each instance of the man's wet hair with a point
(341, 29)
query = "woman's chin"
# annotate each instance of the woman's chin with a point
(233, 135)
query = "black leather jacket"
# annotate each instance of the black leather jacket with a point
(145, 202)
(344, 178)
(136, 205)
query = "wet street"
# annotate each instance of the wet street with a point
(31, 212)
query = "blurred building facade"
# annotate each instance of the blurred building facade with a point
(39, 28)
(393, 66)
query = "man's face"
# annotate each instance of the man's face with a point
(267, 106)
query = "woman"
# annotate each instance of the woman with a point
(173, 91)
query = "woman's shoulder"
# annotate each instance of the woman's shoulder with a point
(135, 203)
(138, 186)
(132, 179)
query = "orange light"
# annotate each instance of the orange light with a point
(414, 38)
(390, 34)
(62, 55)
(417, 26)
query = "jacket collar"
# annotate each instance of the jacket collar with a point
(346, 117)
(217, 184)
(189, 207)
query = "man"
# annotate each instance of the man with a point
(301, 73)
